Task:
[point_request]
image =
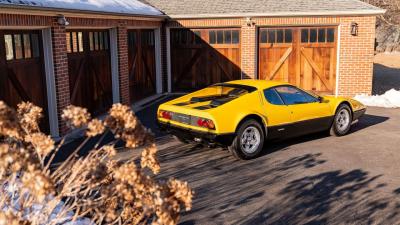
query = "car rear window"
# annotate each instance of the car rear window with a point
(228, 91)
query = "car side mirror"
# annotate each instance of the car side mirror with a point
(320, 99)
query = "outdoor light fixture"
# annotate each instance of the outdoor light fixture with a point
(62, 20)
(249, 21)
(354, 29)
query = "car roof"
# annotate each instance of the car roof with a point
(259, 84)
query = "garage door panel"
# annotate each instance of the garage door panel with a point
(305, 59)
(142, 70)
(202, 57)
(89, 68)
(22, 75)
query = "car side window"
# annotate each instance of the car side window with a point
(272, 97)
(293, 96)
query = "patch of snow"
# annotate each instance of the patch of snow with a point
(391, 99)
(57, 216)
(134, 7)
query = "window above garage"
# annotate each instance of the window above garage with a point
(272, 35)
(317, 35)
(224, 37)
(21, 46)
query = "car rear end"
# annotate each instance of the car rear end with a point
(191, 117)
(187, 124)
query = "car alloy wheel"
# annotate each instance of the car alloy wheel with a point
(343, 120)
(250, 140)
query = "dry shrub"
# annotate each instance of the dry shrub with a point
(94, 186)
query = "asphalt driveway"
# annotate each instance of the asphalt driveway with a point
(315, 179)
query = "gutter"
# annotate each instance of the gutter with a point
(46, 11)
(371, 12)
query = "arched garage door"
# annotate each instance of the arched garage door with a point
(304, 56)
(89, 69)
(22, 76)
(201, 57)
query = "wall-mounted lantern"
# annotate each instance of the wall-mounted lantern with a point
(354, 29)
(250, 22)
(61, 20)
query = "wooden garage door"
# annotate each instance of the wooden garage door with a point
(142, 64)
(22, 76)
(304, 56)
(89, 69)
(202, 57)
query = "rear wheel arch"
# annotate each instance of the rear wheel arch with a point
(255, 117)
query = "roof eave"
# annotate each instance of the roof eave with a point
(56, 11)
(282, 14)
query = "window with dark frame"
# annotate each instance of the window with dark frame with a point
(21, 46)
(304, 35)
(330, 37)
(98, 41)
(74, 42)
(276, 36)
(223, 37)
(288, 36)
(313, 35)
(322, 35)
(181, 37)
(318, 35)
(220, 37)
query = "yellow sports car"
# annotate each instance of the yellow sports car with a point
(243, 114)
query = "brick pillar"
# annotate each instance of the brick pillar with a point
(356, 56)
(248, 50)
(60, 60)
(122, 39)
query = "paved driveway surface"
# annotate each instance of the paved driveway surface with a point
(315, 179)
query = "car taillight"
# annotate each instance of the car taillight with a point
(165, 115)
(206, 123)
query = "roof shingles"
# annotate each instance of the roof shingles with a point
(128, 7)
(226, 8)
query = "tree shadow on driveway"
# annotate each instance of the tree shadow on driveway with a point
(333, 197)
(299, 189)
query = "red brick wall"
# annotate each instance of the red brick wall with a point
(122, 38)
(60, 57)
(60, 60)
(356, 56)
(356, 52)
(248, 51)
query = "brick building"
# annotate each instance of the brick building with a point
(96, 53)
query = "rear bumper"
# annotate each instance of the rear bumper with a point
(357, 114)
(197, 136)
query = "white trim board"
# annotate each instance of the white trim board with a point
(114, 65)
(338, 61)
(157, 46)
(169, 71)
(50, 82)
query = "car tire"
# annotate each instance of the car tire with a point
(249, 140)
(342, 121)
